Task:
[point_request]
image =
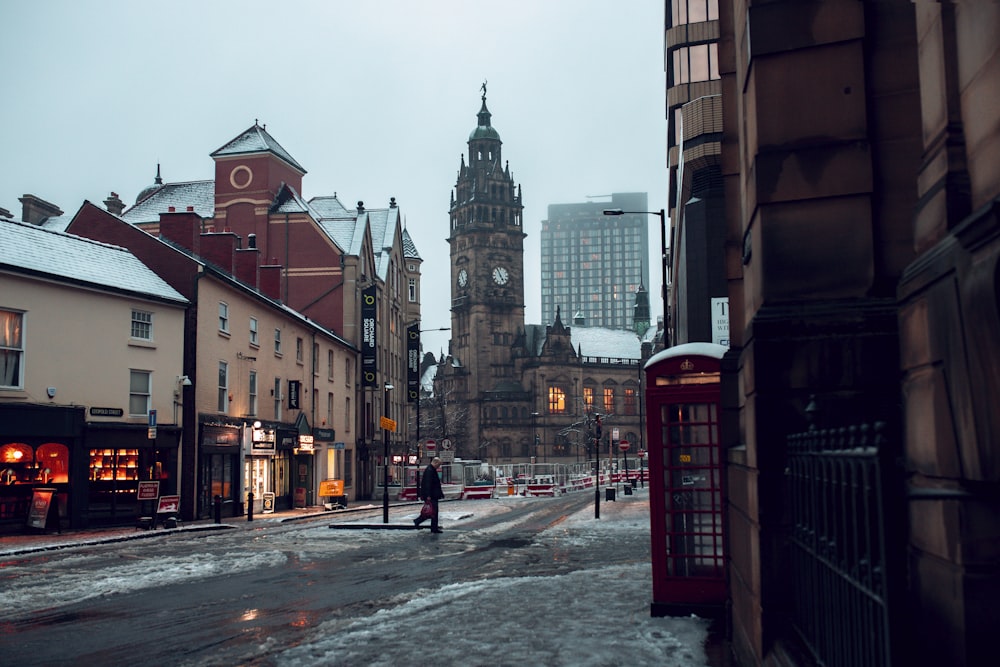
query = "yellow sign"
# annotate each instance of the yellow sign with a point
(331, 487)
(387, 424)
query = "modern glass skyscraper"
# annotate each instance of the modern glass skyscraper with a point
(592, 264)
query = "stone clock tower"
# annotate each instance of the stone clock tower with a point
(487, 264)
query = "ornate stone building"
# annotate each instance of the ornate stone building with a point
(509, 391)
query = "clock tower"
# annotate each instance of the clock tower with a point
(487, 263)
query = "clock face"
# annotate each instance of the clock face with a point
(500, 276)
(463, 278)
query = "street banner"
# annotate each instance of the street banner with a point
(369, 351)
(413, 363)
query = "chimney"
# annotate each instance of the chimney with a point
(4, 213)
(114, 205)
(220, 249)
(361, 207)
(35, 210)
(184, 229)
(251, 242)
(246, 263)
(270, 281)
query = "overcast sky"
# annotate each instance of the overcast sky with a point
(374, 99)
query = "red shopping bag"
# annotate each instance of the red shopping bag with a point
(427, 511)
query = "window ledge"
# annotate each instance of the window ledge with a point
(147, 344)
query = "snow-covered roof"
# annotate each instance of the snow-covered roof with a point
(409, 247)
(689, 350)
(330, 207)
(601, 342)
(427, 379)
(256, 140)
(32, 249)
(56, 223)
(199, 194)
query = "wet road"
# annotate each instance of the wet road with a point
(229, 597)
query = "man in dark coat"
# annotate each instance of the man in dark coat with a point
(430, 491)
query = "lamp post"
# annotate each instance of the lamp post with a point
(534, 436)
(663, 258)
(385, 454)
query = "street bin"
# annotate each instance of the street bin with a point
(628, 489)
(609, 493)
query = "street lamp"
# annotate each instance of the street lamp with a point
(385, 454)
(534, 434)
(663, 258)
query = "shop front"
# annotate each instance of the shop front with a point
(94, 467)
(220, 452)
(38, 446)
(118, 457)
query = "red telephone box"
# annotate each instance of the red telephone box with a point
(683, 406)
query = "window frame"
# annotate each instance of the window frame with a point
(147, 324)
(14, 348)
(223, 317)
(222, 404)
(254, 334)
(135, 392)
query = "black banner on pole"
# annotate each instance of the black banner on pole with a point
(369, 350)
(413, 362)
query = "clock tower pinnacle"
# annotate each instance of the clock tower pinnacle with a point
(487, 261)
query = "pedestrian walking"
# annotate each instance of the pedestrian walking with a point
(430, 492)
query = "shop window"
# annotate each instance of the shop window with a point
(18, 464)
(114, 465)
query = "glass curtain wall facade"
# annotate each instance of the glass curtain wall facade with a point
(592, 264)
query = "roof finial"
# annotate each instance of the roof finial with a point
(483, 88)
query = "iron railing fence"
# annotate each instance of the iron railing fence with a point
(839, 565)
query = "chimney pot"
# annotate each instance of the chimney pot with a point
(252, 241)
(190, 209)
(171, 209)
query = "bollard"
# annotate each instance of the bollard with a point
(250, 506)
(218, 509)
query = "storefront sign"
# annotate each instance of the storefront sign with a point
(331, 487)
(41, 501)
(168, 504)
(294, 387)
(106, 412)
(720, 320)
(148, 491)
(339, 445)
(324, 434)
(306, 443)
(219, 436)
